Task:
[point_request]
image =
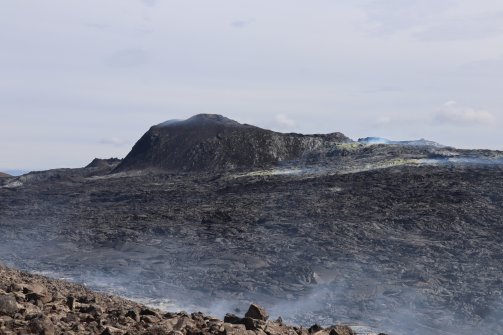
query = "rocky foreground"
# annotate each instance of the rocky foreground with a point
(31, 304)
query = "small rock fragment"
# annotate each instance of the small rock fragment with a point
(8, 305)
(315, 328)
(70, 302)
(342, 330)
(257, 312)
(231, 318)
(148, 311)
(133, 315)
(42, 325)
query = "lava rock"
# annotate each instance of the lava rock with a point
(216, 217)
(42, 325)
(8, 305)
(214, 142)
(342, 330)
(133, 315)
(315, 328)
(231, 318)
(257, 312)
(148, 311)
(70, 302)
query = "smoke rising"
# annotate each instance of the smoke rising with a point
(356, 293)
(324, 250)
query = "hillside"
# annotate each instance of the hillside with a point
(214, 142)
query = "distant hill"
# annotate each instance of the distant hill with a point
(4, 175)
(214, 142)
(104, 163)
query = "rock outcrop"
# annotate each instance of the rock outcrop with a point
(104, 163)
(213, 142)
(32, 304)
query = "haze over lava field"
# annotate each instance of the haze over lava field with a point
(209, 214)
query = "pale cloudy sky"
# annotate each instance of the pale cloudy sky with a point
(85, 79)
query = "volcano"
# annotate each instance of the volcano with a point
(214, 142)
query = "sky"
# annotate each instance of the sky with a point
(85, 79)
